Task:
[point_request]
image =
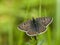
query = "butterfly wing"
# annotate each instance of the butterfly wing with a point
(25, 26)
(31, 33)
(41, 29)
(44, 20)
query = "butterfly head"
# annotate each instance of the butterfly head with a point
(33, 20)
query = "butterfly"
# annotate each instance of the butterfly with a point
(35, 26)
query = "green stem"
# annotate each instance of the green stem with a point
(33, 40)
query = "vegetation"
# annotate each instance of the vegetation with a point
(14, 12)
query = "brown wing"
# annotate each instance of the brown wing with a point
(44, 20)
(25, 26)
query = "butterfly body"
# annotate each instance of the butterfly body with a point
(35, 26)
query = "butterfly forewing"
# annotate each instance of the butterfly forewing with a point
(25, 26)
(44, 20)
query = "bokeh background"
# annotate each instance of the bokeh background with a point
(15, 12)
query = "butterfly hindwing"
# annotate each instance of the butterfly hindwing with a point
(41, 29)
(31, 33)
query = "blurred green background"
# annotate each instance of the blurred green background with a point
(14, 12)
